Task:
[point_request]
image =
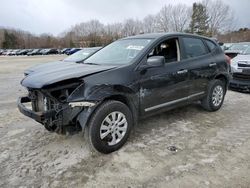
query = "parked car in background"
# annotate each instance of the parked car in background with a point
(237, 48)
(77, 57)
(24, 51)
(7, 52)
(49, 51)
(226, 46)
(1, 51)
(73, 50)
(129, 79)
(64, 50)
(41, 51)
(240, 67)
(34, 52)
(20, 52)
(14, 52)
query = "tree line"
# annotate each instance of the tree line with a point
(212, 18)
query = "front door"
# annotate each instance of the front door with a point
(164, 86)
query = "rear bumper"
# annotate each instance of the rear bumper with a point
(38, 116)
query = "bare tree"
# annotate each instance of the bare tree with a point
(221, 17)
(132, 27)
(174, 18)
(114, 30)
(180, 17)
(149, 24)
(163, 23)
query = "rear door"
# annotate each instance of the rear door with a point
(201, 64)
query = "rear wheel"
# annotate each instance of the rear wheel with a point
(215, 96)
(109, 127)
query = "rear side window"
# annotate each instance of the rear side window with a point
(194, 47)
(210, 45)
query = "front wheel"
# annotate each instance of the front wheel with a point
(109, 126)
(215, 96)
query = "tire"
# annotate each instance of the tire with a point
(101, 123)
(213, 102)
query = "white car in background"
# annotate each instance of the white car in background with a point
(240, 68)
(237, 48)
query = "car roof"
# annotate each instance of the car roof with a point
(160, 35)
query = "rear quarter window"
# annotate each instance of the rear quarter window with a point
(194, 47)
(210, 45)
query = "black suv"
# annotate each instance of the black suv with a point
(129, 79)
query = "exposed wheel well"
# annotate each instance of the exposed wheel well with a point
(118, 98)
(223, 78)
(124, 100)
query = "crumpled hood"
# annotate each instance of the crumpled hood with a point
(46, 66)
(64, 71)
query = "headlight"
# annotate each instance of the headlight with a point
(234, 63)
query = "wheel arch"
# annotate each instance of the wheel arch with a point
(223, 78)
(126, 96)
(125, 100)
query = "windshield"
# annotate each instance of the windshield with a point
(240, 47)
(119, 52)
(81, 55)
(247, 51)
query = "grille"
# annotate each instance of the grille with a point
(240, 76)
(243, 65)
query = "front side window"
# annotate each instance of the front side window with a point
(194, 47)
(119, 52)
(169, 49)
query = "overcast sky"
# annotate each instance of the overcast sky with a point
(56, 16)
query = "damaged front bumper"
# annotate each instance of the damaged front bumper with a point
(38, 116)
(71, 118)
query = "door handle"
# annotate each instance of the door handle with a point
(212, 64)
(182, 71)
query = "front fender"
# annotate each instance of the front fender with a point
(99, 93)
(87, 92)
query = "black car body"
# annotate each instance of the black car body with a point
(125, 81)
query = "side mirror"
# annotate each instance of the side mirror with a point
(154, 61)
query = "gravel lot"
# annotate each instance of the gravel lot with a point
(212, 148)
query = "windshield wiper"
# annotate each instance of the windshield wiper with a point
(91, 63)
